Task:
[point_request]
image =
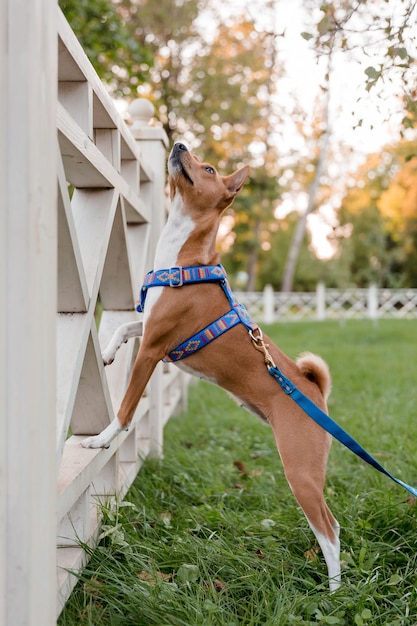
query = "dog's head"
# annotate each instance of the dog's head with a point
(199, 185)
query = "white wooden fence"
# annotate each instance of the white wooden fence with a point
(83, 204)
(269, 306)
(109, 220)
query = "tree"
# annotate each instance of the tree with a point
(381, 32)
(300, 229)
(398, 206)
(346, 27)
(378, 218)
(309, 269)
(106, 37)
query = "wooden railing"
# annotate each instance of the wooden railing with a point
(269, 306)
(111, 208)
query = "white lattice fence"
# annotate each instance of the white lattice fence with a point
(330, 304)
(111, 208)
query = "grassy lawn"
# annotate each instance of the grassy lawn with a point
(212, 535)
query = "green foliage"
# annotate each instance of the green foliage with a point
(309, 268)
(167, 29)
(109, 42)
(212, 535)
(382, 29)
(377, 220)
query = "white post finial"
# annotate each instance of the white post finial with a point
(141, 111)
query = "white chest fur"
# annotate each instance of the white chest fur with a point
(174, 234)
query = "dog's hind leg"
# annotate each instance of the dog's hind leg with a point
(121, 335)
(304, 449)
(309, 495)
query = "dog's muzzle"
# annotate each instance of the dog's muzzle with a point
(175, 160)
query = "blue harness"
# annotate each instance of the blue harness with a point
(181, 276)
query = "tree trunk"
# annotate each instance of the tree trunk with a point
(297, 240)
(253, 259)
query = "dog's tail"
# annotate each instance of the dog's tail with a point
(316, 369)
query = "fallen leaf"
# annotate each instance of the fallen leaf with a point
(241, 467)
(93, 586)
(218, 585)
(166, 519)
(256, 473)
(311, 554)
(148, 577)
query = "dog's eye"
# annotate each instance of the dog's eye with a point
(209, 169)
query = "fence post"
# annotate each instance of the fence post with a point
(321, 301)
(154, 141)
(28, 293)
(269, 313)
(372, 304)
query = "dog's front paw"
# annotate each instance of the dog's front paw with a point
(108, 357)
(109, 353)
(104, 439)
(95, 442)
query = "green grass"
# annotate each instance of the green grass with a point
(212, 535)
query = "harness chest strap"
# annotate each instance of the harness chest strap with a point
(236, 315)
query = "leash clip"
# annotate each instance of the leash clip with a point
(259, 344)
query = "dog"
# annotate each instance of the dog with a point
(181, 309)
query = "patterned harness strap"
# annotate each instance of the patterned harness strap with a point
(181, 276)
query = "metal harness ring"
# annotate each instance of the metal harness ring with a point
(259, 344)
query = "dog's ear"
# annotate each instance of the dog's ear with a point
(235, 181)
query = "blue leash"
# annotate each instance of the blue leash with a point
(326, 422)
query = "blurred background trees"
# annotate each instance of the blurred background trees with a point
(227, 78)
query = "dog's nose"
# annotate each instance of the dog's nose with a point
(181, 146)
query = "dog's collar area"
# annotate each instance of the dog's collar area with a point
(180, 276)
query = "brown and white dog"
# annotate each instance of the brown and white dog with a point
(199, 195)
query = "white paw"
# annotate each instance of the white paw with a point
(108, 356)
(104, 439)
(109, 353)
(95, 442)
